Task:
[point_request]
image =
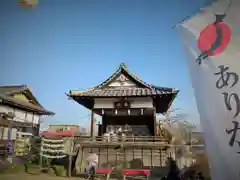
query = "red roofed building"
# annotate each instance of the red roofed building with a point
(65, 130)
(65, 134)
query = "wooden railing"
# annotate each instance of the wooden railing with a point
(143, 141)
(130, 141)
(126, 138)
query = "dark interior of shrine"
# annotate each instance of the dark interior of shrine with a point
(139, 125)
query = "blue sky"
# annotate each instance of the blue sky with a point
(76, 44)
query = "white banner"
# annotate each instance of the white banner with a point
(213, 50)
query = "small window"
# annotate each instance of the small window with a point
(67, 129)
(60, 130)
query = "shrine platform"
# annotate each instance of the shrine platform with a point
(128, 141)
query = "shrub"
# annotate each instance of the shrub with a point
(51, 172)
(59, 170)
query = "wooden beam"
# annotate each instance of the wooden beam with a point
(124, 112)
(149, 145)
(14, 124)
(92, 124)
(154, 121)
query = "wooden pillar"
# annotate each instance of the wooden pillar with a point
(92, 124)
(33, 126)
(41, 157)
(70, 156)
(154, 121)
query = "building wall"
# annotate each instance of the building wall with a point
(141, 102)
(63, 128)
(21, 115)
(127, 83)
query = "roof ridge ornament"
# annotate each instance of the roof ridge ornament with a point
(123, 65)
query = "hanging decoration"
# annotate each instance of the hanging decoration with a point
(28, 3)
(21, 147)
(52, 148)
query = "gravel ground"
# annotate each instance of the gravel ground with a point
(24, 176)
(34, 177)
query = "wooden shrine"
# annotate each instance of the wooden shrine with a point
(125, 101)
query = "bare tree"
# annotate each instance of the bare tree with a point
(180, 130)
(177, 125)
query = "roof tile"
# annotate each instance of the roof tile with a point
(22, 103)
(120, 92)
(5, 96)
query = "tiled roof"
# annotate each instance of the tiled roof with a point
(121, 92)
(144, 88)
(138, 88)
(47, 133)
(12, 89)
(123, 68)
(7, 91)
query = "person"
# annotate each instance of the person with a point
(91, 165)
(200, 176)
(174, 172)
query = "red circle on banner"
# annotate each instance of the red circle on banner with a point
(208, 36)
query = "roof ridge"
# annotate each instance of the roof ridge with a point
(12, 89)
(12, 86)
(121, 69)
(123, 65)
(23, 103)
(134, 75)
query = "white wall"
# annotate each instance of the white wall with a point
(5, 109)
(21, 115)
(4, 133)
(126, 83)
(141, 102)
(36, 119)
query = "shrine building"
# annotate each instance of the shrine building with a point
(124, 100)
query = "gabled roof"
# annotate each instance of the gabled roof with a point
(10, 90)
(140, 89)
(123, 69)
(6, 97)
